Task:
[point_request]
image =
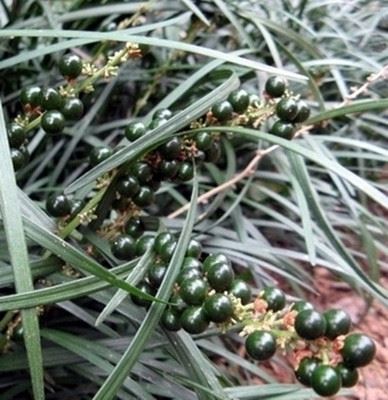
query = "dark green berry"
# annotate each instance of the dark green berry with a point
(220, 277)
(241, 290)
(171, 320)
(214, 259)
(338, 323)
(223, 111)
(156, 123)
(167, 250)
(163, 113)
(156, 274)
(171, 149)
(193, 320)
(73, 108)
(282, 129)
(53, 121)
(128, 186)
(76, 207)
(213, 154)
(303, 112)
(260, 345)
(305, 370)
(239, 99)
(191, 262)
(31, 96)
(194, 249)
(134, 130)
(302, 305)
(168, 169)
(18, 158)
(58, 205)
(145, 197)
(99, 154)
(143, 244)
(193, 291)
(275, 86)
(144, 287)
(178, 303)
(70, 66)
(218, 308)
(16, 135)
(203, 141)
(325, 381)
(134, 227)
(274, 297)
(123, 247)
(161, 240)
(287, 109)
(349, 376)
(185, 172)
(189, 273)
(358, 351)
(142, 171)
(51, 99)
(310, 324)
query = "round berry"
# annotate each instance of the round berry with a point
(170, 320)
(18, 159)
(214, 259)
(203, 141)
(142, 171)
(99, 154)
(349, 376)
(338, 323)
(16, 135)
(128, 186)
(168, 169)
(241, 290)
(134, 130)
(185, 172)
(70, 66)
(325, 381)
(53, 121)
(134, 227)
(213, 154)
(31, 96)
(156, 274)
(167, 250)
(143, 244)
(358, 351)
(144, 287)
(275, 86)
(282, 129)
(73, 108)
(260, 345)
(287, 109)
(220, 277)
(161, 240)
(218, 308)
(302, 305)
(76, 207)
(163, 113)
(303, 112)
(305, 370)
(310, 324)
(239, 99)
(189, 273)
(193, 291)
(222, 110)
(191, 262)
(178, 303)
(145, 197)
(58, 205)
(51, 99)
(156, 123)
(193, 320)
(274, 297)
(194, 249)
(123, 247)
(171, 149)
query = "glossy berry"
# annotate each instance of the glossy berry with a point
(239, 99)
(156, 274)
(144, 287)
(134, 130)
(241, 290)
(260, 345)
(70, 66)
(16, 135)
(171, 149)
(143, 244)
(310, 324)
(223, 111)
(191, 262)
(282, 129)
(31, 96)
(218, 308)
(163, 113)
(144, 197)
(128, 186)
(193, 320)
(171, 320)
(213, 154)
(349, 376)
(193, 291)
(161, 240)
(168, 169)
(189, 273)
(58, 205)
(303, 112)
(325, 381)
(53, 121)
(275, 86)
(73, 108)
(143, 172)
(213, 259)
(156, 123)
(194, 249)
(123, 247)
(305, 370)
(220, 277)
(287, 109)
(134, 227)
(178, 303)
(99, 154)
(203, 141)
(185, 172)
(338, 323)
(76, 207)
(274, 297)
(167, 250)
(302, 305)
(51, 99)
(358, 351)
(19, 158)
